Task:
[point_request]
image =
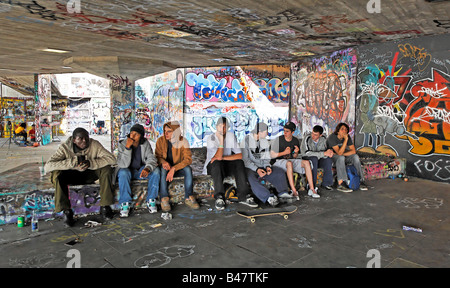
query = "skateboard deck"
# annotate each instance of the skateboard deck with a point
(283, 211)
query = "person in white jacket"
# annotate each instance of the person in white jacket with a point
(78, 161)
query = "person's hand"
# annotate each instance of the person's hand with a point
(215, 158)
(261, 172)
(169, 176)
(269, 170)
(129, 143)
(83, 166)
(328, 153)
(296, 149)
(287, 151)
(144, 173)
(166, 166)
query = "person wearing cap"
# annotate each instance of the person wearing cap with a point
(78, 161)
(136, 161)
(173, 154)
(285, 151)
(224, 158)
(256, 156)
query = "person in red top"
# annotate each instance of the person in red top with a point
(32, 133)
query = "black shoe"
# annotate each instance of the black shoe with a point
(106, 212)
(68, 217)
(329, 188)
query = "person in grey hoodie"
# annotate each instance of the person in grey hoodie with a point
(314, 148)
(137, 161)
(256, 156)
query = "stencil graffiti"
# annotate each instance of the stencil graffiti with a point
(164, 256)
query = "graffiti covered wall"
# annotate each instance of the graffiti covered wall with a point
(159, 99)
(403, 103)
(122, 108)
(323, 91)
(244, 94)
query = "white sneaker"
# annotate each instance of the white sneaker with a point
(273, 201)
(250, 202)
(151, 205)
(313, 194)
(220, 204)
(125, 209)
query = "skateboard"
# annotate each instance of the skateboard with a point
(283, 211)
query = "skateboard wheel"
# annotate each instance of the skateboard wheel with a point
(286, 217)
(253, 220)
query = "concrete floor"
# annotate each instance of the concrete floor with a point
(337, 230)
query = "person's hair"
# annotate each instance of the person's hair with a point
(222, 120)
(24, 125)
(338, 127)
(80, 132)
(318, 129)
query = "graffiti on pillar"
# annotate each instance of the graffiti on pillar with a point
(159, 99)
(122, 108)
(323, 91)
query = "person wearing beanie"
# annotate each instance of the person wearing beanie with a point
(174, 155)
(78, 161)
(136, 160)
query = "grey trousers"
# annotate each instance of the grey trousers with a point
(340, 162)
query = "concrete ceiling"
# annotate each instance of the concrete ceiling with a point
(142, 38)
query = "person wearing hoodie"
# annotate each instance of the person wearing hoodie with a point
(78, 161)
(256, 156)
(136, 161)
(174, 155)
(314, 148)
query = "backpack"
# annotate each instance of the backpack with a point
(353, 177)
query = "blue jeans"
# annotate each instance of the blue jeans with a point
(125, 176)
(324, 163)
(186, 172)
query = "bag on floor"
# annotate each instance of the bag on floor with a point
(353, 177)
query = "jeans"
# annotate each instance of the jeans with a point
(340, 162)
(277, 178)
(186, 172)
(324, 163)
(125, 176)
(220, 169)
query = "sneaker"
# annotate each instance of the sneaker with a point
(286, 198)
(313, 194)
(329, 188)
(343, 188)
(363, 186)
(125, 209)
(151, 205)
(220, 204)
(191, 202)
(273, 201)
(165, 205)
(250, 202)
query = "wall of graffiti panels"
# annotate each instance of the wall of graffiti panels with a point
(403, 103)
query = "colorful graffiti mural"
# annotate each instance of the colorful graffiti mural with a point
(323, 91)
(122, 108)
(159, 99)
(403, 102)
(246, 95)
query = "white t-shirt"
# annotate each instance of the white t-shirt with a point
(230, 146)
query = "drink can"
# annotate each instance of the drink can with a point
(20, 221)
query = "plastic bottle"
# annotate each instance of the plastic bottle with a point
(34, 223)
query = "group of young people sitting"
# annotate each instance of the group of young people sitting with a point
(254, 161)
